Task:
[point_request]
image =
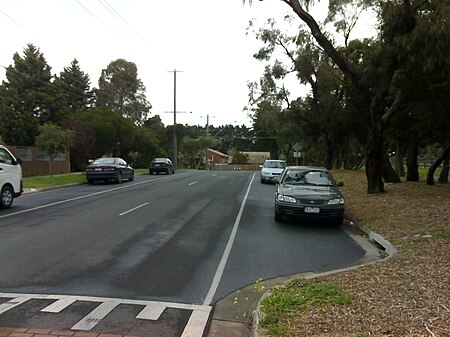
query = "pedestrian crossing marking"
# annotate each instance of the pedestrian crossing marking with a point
(152, 309)
(96, 315)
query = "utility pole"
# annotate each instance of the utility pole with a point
(175, 149)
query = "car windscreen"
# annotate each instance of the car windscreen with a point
(312, 177)
(275, 164)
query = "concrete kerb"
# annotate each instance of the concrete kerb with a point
(386, 246)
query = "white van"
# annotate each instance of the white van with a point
(10, 177)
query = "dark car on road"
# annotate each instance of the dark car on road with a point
(114, 168)
(159, 165)
(309, 192)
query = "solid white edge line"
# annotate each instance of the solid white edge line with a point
(133, 209)
(196, 324)
(226, 254)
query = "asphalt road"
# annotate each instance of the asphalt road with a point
(184, 239)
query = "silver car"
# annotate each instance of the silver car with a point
(271, 170)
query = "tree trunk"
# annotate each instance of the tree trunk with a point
(389, 174)
(411, 161)
(329, 154)
(443, 177)
(399, 166)
(374, 159)
(435, 165)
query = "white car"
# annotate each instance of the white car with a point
(10, 177)
(271, 170)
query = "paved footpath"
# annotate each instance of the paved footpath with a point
(26, 332)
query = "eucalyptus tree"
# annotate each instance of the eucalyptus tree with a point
(378, 102)
(120, 90)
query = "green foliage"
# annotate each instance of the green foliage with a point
(297, 296)
(240, 158)
(120, 90)
(73, 85)
(53, 139)
(25, 97)
(193, 150)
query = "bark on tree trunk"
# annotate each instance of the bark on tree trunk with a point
(411, 161)
(330, 153)
(399, 166)
(374, 160)
(435, 165)
(443, 177)
(389, 174)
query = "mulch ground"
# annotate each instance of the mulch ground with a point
(406, 295)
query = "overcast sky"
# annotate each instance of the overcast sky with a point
(205, 39)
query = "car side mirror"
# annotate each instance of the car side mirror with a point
(260, 166)
(340, 184)
(18, 161)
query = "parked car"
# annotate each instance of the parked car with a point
(159, 165)
(271, 170)
(10, 177)
(309, 192)
(109, 169)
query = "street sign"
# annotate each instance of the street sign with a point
(297, 154)
(297, 147)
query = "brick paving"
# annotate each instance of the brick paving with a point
(29, 332)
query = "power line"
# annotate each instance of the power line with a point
(18, 23)
(95, 16)
(121, 19)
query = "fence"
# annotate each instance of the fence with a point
(36, 162)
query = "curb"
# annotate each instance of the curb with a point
(376, 238)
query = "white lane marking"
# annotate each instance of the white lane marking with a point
(78, 198)
(215, 174)
(59, 305)
(4, 307)
(196, 324)
(151, 312)
(194, 182)
(96, 315)
(133, 209)
(226, 254)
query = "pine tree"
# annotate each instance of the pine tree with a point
(25, 98)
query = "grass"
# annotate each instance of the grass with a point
(61, 179)
(297, 296)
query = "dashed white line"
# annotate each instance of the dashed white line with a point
(190, 184)
(77, 198)
(133, 209)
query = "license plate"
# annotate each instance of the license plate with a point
(97, 169)
(312, 210)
